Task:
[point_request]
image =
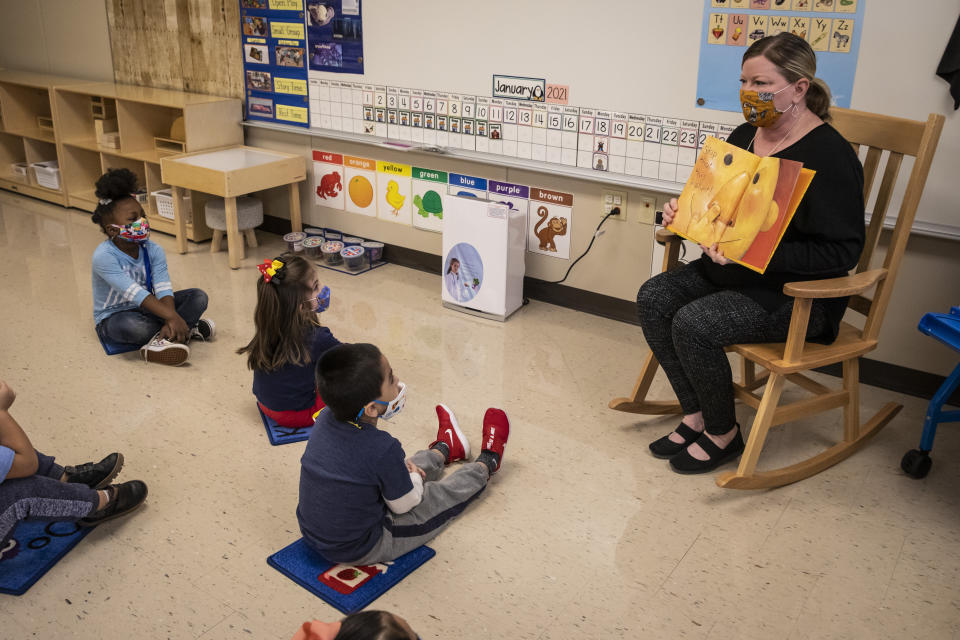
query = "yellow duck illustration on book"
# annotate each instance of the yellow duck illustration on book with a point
(393, 197)
(758, 211)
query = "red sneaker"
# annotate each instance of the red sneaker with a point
(449, 433)
(496, 430)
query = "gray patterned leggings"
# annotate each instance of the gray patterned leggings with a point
(687, 321)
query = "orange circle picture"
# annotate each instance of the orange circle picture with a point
(361, 192)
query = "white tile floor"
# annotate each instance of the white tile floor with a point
(582, 535)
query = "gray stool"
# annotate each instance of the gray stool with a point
(249, 215)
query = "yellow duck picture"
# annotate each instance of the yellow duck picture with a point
(394, 198)
(758, 211)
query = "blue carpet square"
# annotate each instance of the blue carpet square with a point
(113, 348)
(347, 588)
(33, 549)
(283, 435)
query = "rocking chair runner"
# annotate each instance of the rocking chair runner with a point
(785, 361)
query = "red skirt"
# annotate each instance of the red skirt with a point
(302, 418)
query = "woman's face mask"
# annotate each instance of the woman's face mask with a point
(137, 231)
(758, 107)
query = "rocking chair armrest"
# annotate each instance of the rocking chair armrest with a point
(665, 235)
(835, 287)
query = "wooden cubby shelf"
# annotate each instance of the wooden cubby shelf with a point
(87, 118)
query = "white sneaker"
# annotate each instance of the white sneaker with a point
(163, 351)
(205, 330)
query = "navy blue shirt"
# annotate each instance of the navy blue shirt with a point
(293, 387)
(346, 474)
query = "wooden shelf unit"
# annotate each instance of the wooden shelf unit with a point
(143, 115)
(29, 102)
(26, 100)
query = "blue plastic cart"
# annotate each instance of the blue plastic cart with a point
(945, 327)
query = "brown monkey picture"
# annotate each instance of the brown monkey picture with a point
(555, 227)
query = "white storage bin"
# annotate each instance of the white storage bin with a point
(20, 170)
(164, 198)
(47, 174)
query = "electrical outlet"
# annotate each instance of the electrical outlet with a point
(610, 200)
(647, 211)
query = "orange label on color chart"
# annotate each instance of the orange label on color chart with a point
(360, 163)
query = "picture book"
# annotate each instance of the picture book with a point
(740, 201)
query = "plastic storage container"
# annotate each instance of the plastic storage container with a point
(164, 200)
(47, 174)
(353, 255)
(311, 247)
(331, 252)
(294, 240)
(374, 250)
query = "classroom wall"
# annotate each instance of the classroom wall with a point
(45, 36)
(60, 37)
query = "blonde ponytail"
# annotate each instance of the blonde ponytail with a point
(818, 99)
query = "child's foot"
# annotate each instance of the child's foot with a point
(95, 475)
(205, 330)
(163, 351)
(124, 498)
(450, 440)
(496, 430)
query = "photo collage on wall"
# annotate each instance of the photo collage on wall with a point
(274, 61)
(418, 197)
(335, 36)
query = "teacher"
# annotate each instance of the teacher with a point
(691, 313)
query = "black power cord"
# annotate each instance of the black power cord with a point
(613, 212)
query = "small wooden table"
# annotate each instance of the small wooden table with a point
(230, 173)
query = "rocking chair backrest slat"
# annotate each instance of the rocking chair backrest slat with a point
(870, 170)
(900, 137)
(880, 206)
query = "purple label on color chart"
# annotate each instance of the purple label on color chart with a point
(508, 189)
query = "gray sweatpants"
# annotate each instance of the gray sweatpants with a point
(42, 496)
(443, 500)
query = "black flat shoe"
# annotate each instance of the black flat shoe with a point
(95, 475)
(685, 463)
(124, 498)
(667, 448)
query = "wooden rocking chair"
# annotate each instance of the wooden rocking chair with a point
(785, 361)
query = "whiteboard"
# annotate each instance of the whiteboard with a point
(641, 56)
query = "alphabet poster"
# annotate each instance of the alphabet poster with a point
(549, 223)
(832, 27)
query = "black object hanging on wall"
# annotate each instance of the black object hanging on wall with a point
(949, 67)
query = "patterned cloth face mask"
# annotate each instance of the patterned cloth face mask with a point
(758, 107)
(137, 231)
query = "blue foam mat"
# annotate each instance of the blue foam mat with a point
(33, 549)
(347, 588)
(114, 348)
(283, 435)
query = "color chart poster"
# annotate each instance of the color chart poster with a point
(275, 61)
(335, 36)
(832, 27)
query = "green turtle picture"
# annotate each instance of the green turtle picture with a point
(429, 203)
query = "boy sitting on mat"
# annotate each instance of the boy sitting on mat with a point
(361, 501)
(33, 487)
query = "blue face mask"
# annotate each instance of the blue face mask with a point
(322, 302)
